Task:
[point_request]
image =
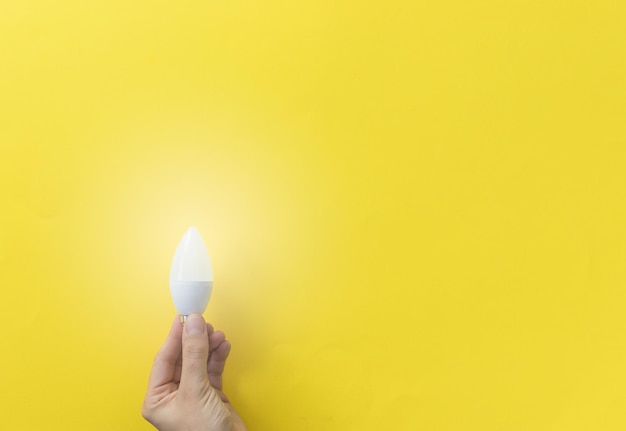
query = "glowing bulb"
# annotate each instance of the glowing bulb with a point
(191, 275)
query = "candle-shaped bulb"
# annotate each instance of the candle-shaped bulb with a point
(191, 274)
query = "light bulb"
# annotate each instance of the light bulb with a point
(191, 275)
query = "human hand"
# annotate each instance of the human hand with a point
(185, 387)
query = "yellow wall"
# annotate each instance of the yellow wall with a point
(415, 209)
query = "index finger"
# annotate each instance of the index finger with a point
(164, 367)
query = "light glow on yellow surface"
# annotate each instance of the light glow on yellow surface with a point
(415, 210)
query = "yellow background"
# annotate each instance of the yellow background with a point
(415, 210)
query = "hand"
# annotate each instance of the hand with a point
(185, 387)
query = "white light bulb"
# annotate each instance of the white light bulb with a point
(191, 275)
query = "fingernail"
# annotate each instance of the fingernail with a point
(195, 324)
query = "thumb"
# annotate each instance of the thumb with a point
(194, 376)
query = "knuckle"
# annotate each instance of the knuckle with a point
(146, 412)
(194, 351)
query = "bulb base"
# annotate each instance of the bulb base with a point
(183, 318)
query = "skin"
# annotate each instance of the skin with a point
(185, 386)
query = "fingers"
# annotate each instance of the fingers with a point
(164, 366)
(195, 347)
(204, 353)
(217, 360)
(215, 340)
